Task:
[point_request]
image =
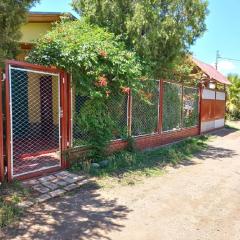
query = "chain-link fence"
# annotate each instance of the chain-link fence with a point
(79, 137)
(145, 107)
(118, 111)
(35, 116)
(179, 110)
(172, 106)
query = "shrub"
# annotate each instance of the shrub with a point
(101, 67)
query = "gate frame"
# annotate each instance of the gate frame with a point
(63, 93)
(2, 169)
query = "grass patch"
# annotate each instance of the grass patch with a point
(10, 195)
(129, 167)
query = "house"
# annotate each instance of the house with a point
(38, 24)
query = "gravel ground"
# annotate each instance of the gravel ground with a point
(196, 201)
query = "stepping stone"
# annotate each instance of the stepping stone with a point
(57, 192)
(31, 182)
(43, 198)
(50, 185)
(71, 187)
(80, 183)
(47, 178)
(60, 182)
(69, 179)
(61, 174)
(25, 204)
(40, 188)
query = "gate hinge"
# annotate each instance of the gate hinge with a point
(63, 80)
(61, 113)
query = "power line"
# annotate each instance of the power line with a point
(231, 59)
(219, 57)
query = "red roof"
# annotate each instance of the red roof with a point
(211, 72)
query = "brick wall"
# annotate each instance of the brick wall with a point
(142, 142)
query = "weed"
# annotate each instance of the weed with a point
(11, 194)
(129, 167)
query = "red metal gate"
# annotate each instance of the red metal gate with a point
(35, 119)
(1, 131)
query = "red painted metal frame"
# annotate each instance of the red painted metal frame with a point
(200, 108)
(1, 131)
(8, 124)
(182, 114)
(63, 121)
(160, 118)
(129, 120)
(31, 66)
(69, 115)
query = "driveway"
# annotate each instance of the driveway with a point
(196, 201)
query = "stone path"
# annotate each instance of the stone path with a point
(53, 185)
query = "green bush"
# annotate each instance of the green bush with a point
(101, 67)
(233, 101)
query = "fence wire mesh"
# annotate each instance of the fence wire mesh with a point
(190, 107)
(35, 121)
(117, 108)
(172, 106)
(79, 136)
(180, 109)
(145, 110)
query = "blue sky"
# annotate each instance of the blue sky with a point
(223, 32)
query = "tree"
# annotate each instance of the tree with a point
(12, 16)
(233, 102)
(160, 31)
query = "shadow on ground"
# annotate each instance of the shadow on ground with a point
(224, 132)
(211, 152)
(82, 215)
(214, 153)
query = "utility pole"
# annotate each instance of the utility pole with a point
(217, 57)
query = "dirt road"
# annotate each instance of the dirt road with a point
(198, 201)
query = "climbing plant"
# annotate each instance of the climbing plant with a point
(101, 67)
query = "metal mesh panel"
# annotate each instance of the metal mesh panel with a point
(145, 111)
(172, 106)
(117, 108)
(190, 107)
(79, 136)
(35, 121)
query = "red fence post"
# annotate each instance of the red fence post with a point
(160, 119)
(182, 87)
(8, 124)
(200, 108)
(129, 113)
(64, 114)
(1, 131)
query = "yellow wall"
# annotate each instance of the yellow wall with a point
(34, 103)
(32, 31)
